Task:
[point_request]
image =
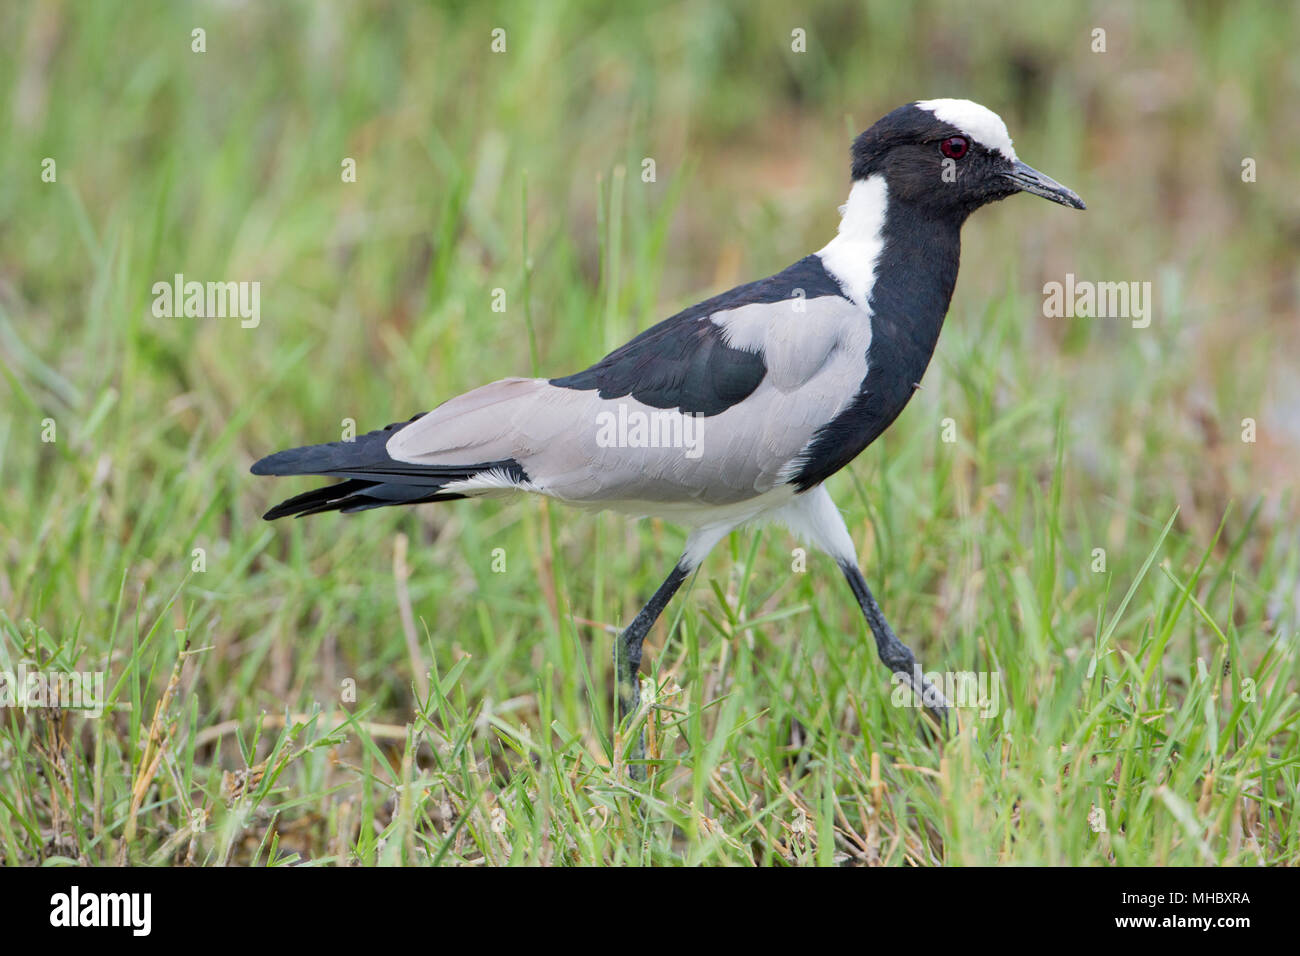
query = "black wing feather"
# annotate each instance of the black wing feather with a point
(684, 361)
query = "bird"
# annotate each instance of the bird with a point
(736, 410)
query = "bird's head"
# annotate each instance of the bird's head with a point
(949, 157)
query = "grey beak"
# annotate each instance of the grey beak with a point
(1029, 180)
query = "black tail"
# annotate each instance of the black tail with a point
(374, 480)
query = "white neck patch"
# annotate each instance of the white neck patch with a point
(978, 122)
(852, 255)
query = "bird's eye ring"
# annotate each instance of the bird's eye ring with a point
(954, 147)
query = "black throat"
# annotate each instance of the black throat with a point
(915, 277)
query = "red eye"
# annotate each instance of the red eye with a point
(954, 147)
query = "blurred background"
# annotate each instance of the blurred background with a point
(522, 170)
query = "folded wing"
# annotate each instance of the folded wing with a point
(712, 408)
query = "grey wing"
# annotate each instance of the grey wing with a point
(576, 444)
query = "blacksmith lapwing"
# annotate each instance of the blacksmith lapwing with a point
(764, 391)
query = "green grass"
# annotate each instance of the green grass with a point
(274, 707)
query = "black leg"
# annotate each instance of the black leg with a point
(894, 653)
(627, 655)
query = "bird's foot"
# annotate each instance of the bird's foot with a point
(629, 714)
(931, 697)
(636, 759)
